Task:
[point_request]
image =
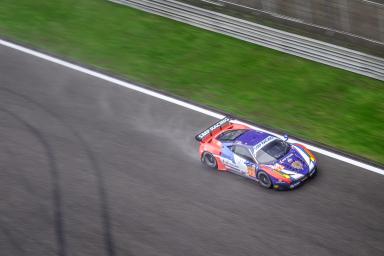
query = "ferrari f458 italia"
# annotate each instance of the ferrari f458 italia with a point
(257, 155)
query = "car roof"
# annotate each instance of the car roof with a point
(251, 138)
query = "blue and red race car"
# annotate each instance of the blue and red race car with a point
(257, 155)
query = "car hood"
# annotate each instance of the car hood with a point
(295, 163)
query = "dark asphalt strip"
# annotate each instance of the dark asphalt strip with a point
(131, 182)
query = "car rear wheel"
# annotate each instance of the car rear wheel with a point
(264, 179)
(209, 160)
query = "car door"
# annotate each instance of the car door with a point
(244, 161)
(227, 157)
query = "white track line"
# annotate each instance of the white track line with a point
(178, 102)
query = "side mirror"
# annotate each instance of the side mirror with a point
(285, 136)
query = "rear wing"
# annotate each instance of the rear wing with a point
(214, 128)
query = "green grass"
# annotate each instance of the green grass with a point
(301, 97)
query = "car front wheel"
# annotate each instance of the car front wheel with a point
(264, 179)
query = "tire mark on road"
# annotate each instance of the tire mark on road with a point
(104, 203)
(56, 189)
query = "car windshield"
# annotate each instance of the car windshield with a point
(273, 151)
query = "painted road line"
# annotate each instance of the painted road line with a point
(212, 2)
(178, 102)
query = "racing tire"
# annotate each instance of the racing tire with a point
(209, 160)
(264, 179)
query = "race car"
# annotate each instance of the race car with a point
(257, 155)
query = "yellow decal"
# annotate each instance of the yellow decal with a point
(251, 171)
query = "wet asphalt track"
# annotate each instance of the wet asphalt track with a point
(90, 168)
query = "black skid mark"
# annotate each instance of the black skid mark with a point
(104, 203)
(56, 189)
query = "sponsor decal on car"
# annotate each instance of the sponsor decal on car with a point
(262, 143)
(287, 158)
(211, 129)
(297, 165)
(251, 170)
(278, 167)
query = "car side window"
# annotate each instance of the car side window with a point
(242, 152)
